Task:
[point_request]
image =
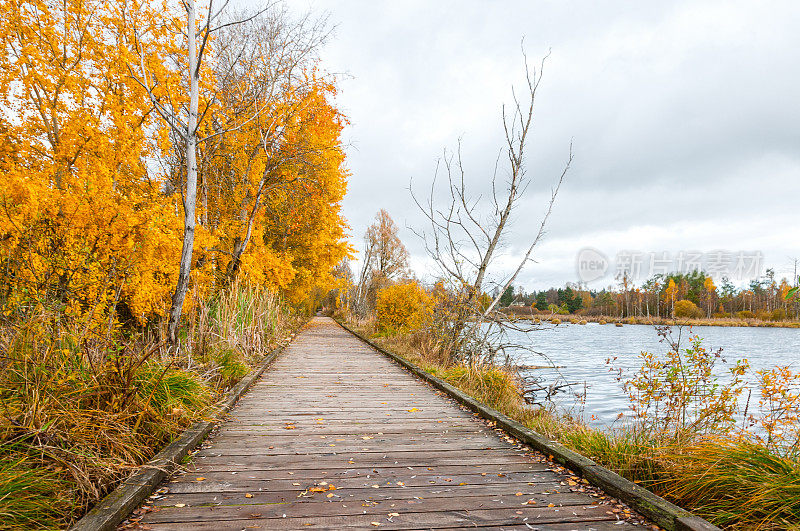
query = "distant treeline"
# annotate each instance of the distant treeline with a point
(692, 294)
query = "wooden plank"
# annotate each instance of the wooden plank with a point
(333, 412)
(405, 520)
(336, 508)
(539, 493)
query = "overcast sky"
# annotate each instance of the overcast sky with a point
(685, 119)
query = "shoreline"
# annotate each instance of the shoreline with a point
(558, 319)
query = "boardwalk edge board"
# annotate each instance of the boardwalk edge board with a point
(660, 511)
(116, 506)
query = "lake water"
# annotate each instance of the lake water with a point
(582, 350)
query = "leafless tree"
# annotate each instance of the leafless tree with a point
(465, 235)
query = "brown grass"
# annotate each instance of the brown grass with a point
(81, 411)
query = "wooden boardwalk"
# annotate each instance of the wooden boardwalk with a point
(337, 436)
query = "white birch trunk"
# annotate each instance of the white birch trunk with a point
(190, 199)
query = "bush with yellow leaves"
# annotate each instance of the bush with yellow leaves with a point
(403, 307)
(688, 309)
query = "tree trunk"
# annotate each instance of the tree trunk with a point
(190, 200)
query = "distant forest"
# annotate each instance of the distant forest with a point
(692, 294)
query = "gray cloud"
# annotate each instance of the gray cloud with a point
(683, 114)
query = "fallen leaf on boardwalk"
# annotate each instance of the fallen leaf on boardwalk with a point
(376, 486)
(530, 502)
(571, 483)
(483, 473)
(201, 479)
(401, 483)
(376, 524)
(330, 495)
(180, 505)
(248, 495)
(288, 427)
(296, 484)
(501, 475)
(413, 410)
(394, 514)
(462, 483)
(551, 504)
(367, 438)
(519, 494)
(255, 515)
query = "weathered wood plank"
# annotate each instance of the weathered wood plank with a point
(331, 411)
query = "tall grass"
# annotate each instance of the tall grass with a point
(80, 410)
(235, 328)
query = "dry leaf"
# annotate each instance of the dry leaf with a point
(201, 479)
(248, 495)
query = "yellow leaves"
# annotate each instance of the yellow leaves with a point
(200, 479)
(403, 307)
(86, 217)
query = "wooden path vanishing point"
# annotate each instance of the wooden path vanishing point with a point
(335, 435)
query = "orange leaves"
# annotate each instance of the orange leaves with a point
(779, 405)
(87, 219)
(86, 224)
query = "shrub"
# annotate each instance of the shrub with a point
(403, 307)
(679, 394)
(745, 314)
(687, 309)
(778, 315)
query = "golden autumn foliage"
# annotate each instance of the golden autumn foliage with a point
(291, 197)
(686, 308)
(86, 219)
(403, 307)
(81, 221)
